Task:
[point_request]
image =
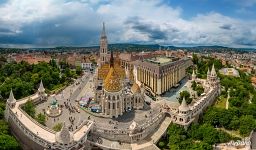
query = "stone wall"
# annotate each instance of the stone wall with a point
(124, 135)
(27, 138)
(24, 141)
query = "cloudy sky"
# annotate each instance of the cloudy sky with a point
(46, 23)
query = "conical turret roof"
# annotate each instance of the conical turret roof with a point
(41, 87)
(64, 136)
(193, 74)
(183, 106)
(208, 72)
(11, 98)
(213, 72)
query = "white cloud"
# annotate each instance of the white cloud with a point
(144, 20)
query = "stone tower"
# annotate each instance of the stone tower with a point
(193, 75)
(11, 101)
(103, 47)
(213, 79)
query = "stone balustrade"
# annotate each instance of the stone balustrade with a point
(35, 122)
(124, 134)
(34, 137)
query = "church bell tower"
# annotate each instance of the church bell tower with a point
(103, 47)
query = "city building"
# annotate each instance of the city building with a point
(113, 92)
(229, 72)
(159, 74)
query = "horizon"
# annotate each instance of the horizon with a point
(78, 23)
(139, 44)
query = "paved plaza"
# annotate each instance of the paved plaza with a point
(84, 86)
(174, 93)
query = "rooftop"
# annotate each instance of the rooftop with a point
(159, 60)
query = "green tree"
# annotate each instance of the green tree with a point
(185, 94)
(79, 70)
(193, 85)
(199, 89)
(2, 108)
(8, 142)
(29, 108)
(195, 58)
(41, 118)
(57, 127)
(247, 124)
(234, 123)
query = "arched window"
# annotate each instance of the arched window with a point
(114, 98)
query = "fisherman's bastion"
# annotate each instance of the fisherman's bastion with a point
(119, 106)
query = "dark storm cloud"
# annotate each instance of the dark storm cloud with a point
(226, 27)
(52, 33)
(245, 42)
(5, 30)
(247, 38)
(154, 33)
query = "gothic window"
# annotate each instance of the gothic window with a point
(117, 97)
(114, 98)
(109, 97)
(113, 105)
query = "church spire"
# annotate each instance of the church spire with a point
(103, 32)
(104, 56)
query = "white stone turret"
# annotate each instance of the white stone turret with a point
(208, 74)
(213, 72)
(11, 100)
(41, 91)
(193, 75)
(183, 108)
(213, 79)
(64, 136)
(41, 87)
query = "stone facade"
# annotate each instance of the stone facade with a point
(185, 114)
(104, 56)
(159, 78)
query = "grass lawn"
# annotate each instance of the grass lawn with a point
(221, 102)
(232, 132)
